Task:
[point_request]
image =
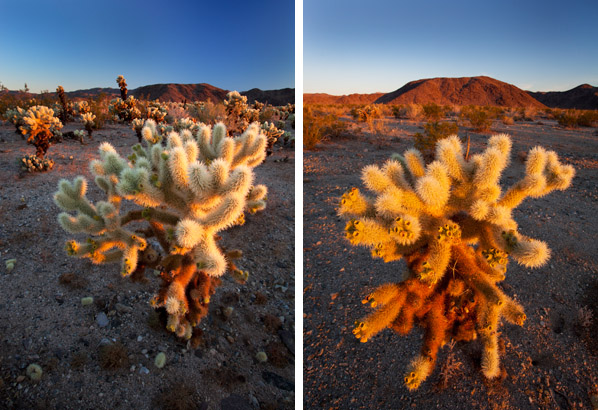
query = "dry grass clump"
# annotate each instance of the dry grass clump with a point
(480, 118)
(179, 395)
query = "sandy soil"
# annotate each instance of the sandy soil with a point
(551, 362)
(42, 320)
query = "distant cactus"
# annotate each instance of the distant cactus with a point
(66, 107)
(122, 84)
(137, 124)
(39, 127)
(453, 224)
(238, 113)
(189, 188)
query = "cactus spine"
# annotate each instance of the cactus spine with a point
(189, 190)
(453, 224)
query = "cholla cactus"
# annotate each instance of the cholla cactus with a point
(125, 110)
(238, 113)
(366, 113)
(190, 189)
(272, 133)
(137, 124)
(122, 84)
(66, 107)
(32, 163)
(39, 127)
(156, 112)
(88, 122)
(81, 107)
(16, 117)
(186, 124)
(79, 135)
(453, 224)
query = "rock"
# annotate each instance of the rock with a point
(102, 319)
(160, 360)
(120, 308)
(34, 371)
(288, 339)
(235, 402)
(278, 381)
(261, 357)
(144, 370)
(86, 301)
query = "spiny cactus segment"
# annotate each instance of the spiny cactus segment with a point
(453, 224)
(189, 186)
(40, 126)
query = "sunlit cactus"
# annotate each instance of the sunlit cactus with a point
(122, 84)
(189, 187)
(88, 122)
(81, 107)
(453, 224)
(125, 110)
(16, 117)
(156, 111)
(272, 133)
(39, 127)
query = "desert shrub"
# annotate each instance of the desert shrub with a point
(100, 108)
(453, 224)
(434, 132)
(188, 190)
(433, 112)
(526, 114)
(409, 111)
(568, 119)
(318, 125)
(507, 120)
(207, 112)
(267, 114)
(588, 118)
(479, 118)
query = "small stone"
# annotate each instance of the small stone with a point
(102, 319)
(132, 369)
(228, 311)
(144, 351)
(160, 360)
(230, 339)
(144, 370)
(34, 371)
(20, 378)
(120, 308)
(261, 357)
(86, 301)
(139, 338)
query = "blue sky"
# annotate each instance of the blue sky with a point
(353, 46)
(235, 45)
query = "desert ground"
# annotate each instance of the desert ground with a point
(549, 363)
(43, 321)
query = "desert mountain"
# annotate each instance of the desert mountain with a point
(274, 97)
(322, 98)
(461, 91)
(182, 92)
(583, 97)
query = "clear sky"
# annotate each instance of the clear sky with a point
(234, 45)
(357, 46)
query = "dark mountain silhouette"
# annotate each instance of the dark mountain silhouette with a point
(178, 93)
(582, 97)
(273, 97)
(461, 91)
